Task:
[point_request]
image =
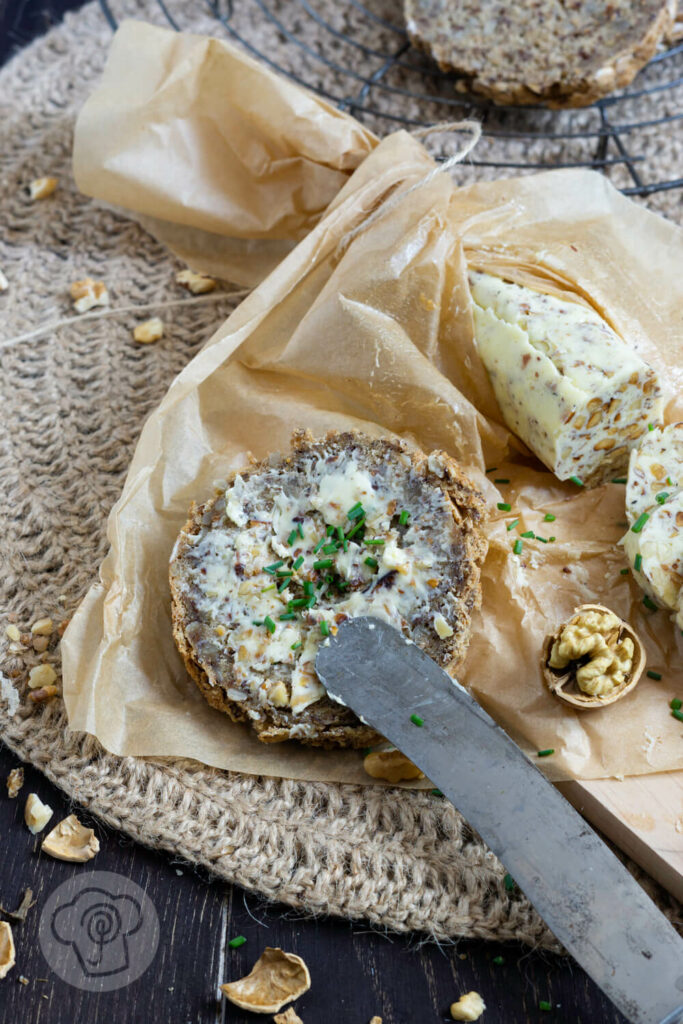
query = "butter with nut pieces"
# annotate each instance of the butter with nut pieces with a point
(655, 469)
(566, 383)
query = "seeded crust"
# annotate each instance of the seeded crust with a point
(331, 724)
(563, 54)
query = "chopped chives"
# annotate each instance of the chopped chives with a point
(286, 616)
(374, 540)
(543, 540)
(308, 587)
(546, 753)
(340, 534)
(509, 882)
(492, 469)
(318, 546)
(661, 497)
(284, 572)
(283, 586)
(619, 480)
(405, 516)
(501, 480)
(271, 568)
(328, 549)
(372, 562)
(416, 720)
(269, 624)
(311, 601)
(677, 714)
(292, 537)
(504, 506)
(436, 792)
(271, 587)
(325, 627)
(640, 522)
(324, 563)
(297, 602)
(359, 525)
(300, 529)
(653, 675)
(623, 572)
(511, 526)
(296, 646)
(257, 622)
(545, 1005)
(517, 546)
(329, 530)
(669, 481)
(343, 584)
(498, 960)
(355, 512)
(549, 518)
(576, 480)
(299, 562)
(238, 941)
(650, 426)
(676, 704)
(649, 603)
(637, 562)
(529, 534)
(551, 539)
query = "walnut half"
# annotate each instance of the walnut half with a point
(593, 659)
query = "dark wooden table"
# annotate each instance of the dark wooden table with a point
(356, 972)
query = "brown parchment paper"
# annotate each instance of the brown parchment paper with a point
(377, 335)
(225, 162)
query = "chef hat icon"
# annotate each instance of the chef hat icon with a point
(97, 926)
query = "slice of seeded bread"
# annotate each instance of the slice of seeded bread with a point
(565, 54)
(410, 551)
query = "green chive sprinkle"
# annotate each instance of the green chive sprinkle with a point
(343, 584)
(300, 529)
(509, 883)
(504, 506)
(269, 624)
(517, 546)
(623, 572)
(299, 562)
(287, 616)
(653, 675)
(543, 540)
(576, 480)
(330, 530)
(669, 481)
(238, 941)
(546, 753)
(650, 426)
(318, 546)
(374, 540)
(311, 601)
(637, 562)
(257, 622)
(283, 586)
(551, 539)
(405, 515)
(511, 526)
(619, 480)
(545, 1005)
(366, 751)
(528, 534)
(271, 587)
(436, 792)
(372, 562)
(661, 497)
(325, 627)
(329, 548)
(416, 720)
(297, 602)
(272, 568)
(284, 572)
(308, 587)
(498, 960)
(640, 522)
(296, 646)
(355, 512)
(501, 480)
(492, 469)
(549, 518)
(677, 714)
(324, 563)
(676, 704)
(649, 603)
(292, 537)
(359, 526)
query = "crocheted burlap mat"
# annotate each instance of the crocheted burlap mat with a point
(73, 403)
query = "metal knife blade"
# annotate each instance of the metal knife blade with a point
(588, 899)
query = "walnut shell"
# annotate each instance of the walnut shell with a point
(562, 682)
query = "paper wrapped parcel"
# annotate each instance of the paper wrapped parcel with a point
(376, 334)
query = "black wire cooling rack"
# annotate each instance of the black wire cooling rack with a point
(359, 57)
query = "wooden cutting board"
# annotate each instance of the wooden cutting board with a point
(643, 816)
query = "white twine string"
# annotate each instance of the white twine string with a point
(392, 201)
(100, 314)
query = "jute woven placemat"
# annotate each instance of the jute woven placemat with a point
(73, 401)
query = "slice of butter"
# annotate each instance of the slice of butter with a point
(657, 549)
(655, 469)
(566, 383)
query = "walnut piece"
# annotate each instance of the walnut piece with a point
(43, 627)
(149, 331)
(15, 780)
(593, 659)
(468, 1007)
(289, 1016)
(41, 188)
(88, 293)
(41, 675)
(69, 840)
(36, 813)
(198, 284)
(391, 765)
(275, 979)
(7, 952)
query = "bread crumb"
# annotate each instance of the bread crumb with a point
(41, 188)
(88, 293)
(149, 331)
